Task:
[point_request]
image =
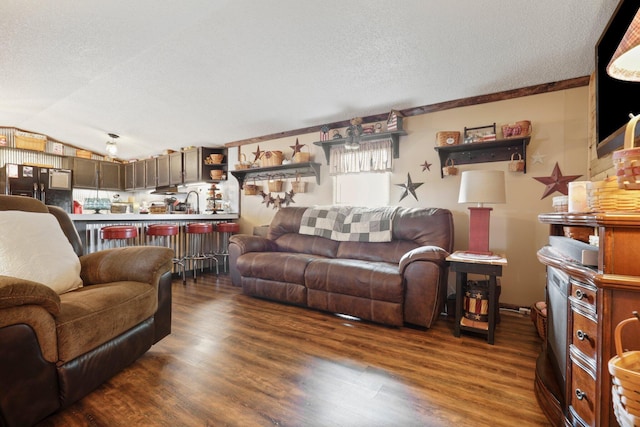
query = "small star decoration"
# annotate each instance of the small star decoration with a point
(426, 166)
(257, 153)
(409, 187)
(556, 182)
(537, 157)
(296, 148)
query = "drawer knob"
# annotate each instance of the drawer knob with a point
(582, 335)
(580, 394)
(579, 294)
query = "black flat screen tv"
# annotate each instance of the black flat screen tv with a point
(614, 98)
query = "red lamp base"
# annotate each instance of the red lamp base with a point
(479, 231)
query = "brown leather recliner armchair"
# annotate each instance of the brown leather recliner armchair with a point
(55, 349)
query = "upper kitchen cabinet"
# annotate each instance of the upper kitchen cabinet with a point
(90, 173)
(151, 172)
(134, 175)
(213, 164)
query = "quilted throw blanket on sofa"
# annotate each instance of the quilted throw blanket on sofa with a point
(346, 223)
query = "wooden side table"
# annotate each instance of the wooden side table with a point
(462, 263)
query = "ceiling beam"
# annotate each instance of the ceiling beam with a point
(464, 102)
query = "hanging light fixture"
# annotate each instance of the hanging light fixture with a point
(112, 148)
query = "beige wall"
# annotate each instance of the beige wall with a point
(560, 133)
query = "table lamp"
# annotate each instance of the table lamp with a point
(481, 186)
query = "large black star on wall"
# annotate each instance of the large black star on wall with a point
(409, 187)
(556, 182)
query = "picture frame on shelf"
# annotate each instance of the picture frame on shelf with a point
(479, 134)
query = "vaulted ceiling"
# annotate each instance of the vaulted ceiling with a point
(167, 74)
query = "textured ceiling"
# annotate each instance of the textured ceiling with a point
(166, 74)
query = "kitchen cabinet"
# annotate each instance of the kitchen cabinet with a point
(150, 170)
(90, 173)
(483, 152)
(162, 169)
(191, 165)
(129, 177)
(175, 168)
(134, 175)
(206, 165)
(584, 305)
(110, 176)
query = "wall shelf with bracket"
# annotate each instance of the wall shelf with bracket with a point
(484, 152)
(394, 135)
(291, 170)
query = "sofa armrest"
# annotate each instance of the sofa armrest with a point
(15, 292)
(133, 263)
(423, 253)
(248, 243)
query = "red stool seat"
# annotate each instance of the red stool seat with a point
(228, 227)
(118, 232)
(162, 230)
(199, 228)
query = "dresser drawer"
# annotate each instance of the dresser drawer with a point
(583, 389)
(583, 294)
(584, 334)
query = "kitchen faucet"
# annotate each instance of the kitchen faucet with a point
(186, 200)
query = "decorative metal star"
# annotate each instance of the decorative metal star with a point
(409, 187)
(426, 166)
(288, 198)
(296, 148)
(266, 198)
(257, 153)
(556, 182)
(277, 202)
(537, 157)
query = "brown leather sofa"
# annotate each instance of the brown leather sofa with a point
(394, 282)
(55, 349)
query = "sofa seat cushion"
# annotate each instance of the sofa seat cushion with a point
(365, 279)
(275, 266)
(93, 315)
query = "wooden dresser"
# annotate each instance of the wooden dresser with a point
(585, 303)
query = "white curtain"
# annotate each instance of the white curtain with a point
(372, 156)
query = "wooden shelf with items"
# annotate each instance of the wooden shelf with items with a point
(214, 164)
(288, 171)
(483, 152)
(393, 135)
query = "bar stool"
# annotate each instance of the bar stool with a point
(118, 235)
(161, 235)
(196, 245)
(225, 230)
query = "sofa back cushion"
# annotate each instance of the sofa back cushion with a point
(412, 227)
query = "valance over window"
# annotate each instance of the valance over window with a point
(372, 156)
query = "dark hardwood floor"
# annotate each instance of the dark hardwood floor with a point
(233, 360)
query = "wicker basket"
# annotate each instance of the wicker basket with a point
(449, 168)
(606, 196)
(446, 138)
(251, 189)
(301, 157)
(624, 368)
(244, 164)
(298, 186)
(516, 165)
(214, 159)
(519, 129)
(271, 158)
(627, 160)
(275, 185)
(30, 141)
(539, 318)
(216, 173)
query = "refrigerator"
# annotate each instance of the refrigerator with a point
(49, 185)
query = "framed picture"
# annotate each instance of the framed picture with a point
(480, 134)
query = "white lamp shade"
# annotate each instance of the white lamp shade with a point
(625, 63)
(482, 186)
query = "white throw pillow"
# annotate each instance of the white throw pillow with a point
(34, 247)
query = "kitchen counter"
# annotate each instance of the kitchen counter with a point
(153, 217)
(89, 225)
